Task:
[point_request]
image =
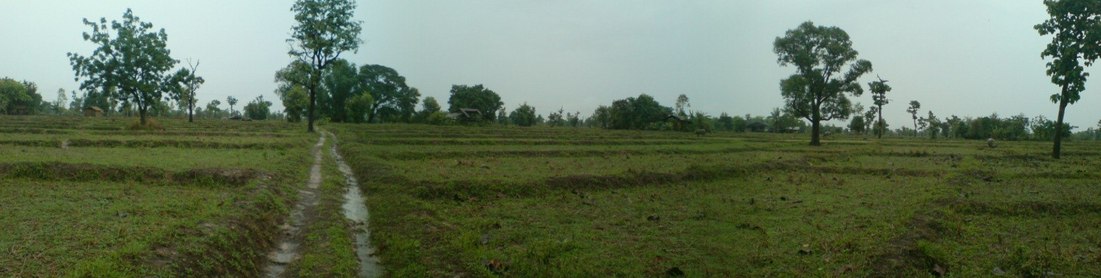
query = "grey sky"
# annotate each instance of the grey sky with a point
(968, 58)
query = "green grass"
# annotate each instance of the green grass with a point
(485, 201)
(195, 199)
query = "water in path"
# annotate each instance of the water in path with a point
(291, 238)
(356, 212)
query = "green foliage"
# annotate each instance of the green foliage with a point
(338, 85)
(428, 107)
(258, 109)
(1075, 44)
(438, 118)
(475, 97)
(182, 86)
(816, 91)
(856, 125)
(325, 29)
(523, 115)
(637, 113)
(19, 98)
(134, 61)
(394, 100)
(358, 107)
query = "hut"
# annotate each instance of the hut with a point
(92, 111)
(466, 114)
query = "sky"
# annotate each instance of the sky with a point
(965, 58)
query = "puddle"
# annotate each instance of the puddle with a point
(287, 249)
(355, 210)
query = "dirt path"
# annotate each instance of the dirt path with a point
(355, 210)
(287, 249)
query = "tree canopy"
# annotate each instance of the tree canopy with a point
(325, 29)
(1075, 28)
(475, 97)
(816, 91)
(394, 100)
(133, 61)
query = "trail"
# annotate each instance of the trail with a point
(287, 250)
(355, 210)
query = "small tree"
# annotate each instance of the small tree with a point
(212, 108)
(231, 101)
(182, 86)
(258, 109)
(879, 91)
(428, 107)
(358, 107)
(913, 110)
(523, 115)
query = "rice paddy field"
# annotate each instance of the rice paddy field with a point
(510, 201)
(86, 197)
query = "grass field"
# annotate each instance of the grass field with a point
(485, 201)
(85, 197)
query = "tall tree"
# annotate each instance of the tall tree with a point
(816, 91)
(134, 61)
(182, 88)
(879, 89)
(325, 29)
(1075, 26)
(476, 97)
(340, 84)
(231, 101)
(393, 99)
(913, 110)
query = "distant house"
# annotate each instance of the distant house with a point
(679, 123)
(465, 114)
(92, 111)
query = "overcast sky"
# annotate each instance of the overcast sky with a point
(968, 58)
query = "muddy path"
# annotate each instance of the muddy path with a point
(287, 249)
(355, 210)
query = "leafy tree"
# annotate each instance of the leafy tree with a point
(231, 101)
(134, 61)
(182, 86)
(913, 110)
(932, 125)
(502, 116)
(556, 118)
(212, 108)
(475, 97)
(326, 29)
(1075, 44)
(725, 122)
(856, 125)
(258, 109)
(60, 102)
(869, 118)
(394, 100)
(782, 122)
(523, 115)
(682, 106)
(816, 91)
(358, 107)
(602, 116)
(879, 89)
(573, 120)
(291, 88)
(428, 106)
(339, 84)
(642, 112)
(19, 98)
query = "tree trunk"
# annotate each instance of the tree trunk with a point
(190, 111)
(309, 110)
(1059, 127)
(141, 114)
(878, 124)
(816, 127)
(915, 127)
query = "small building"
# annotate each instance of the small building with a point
(92, 111)
(466, 114)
